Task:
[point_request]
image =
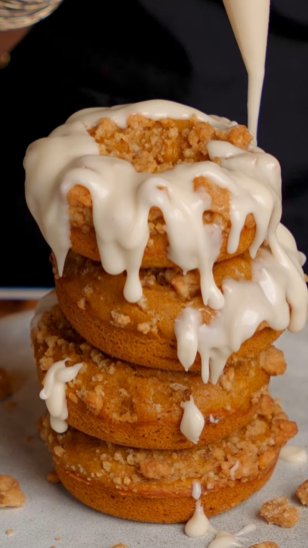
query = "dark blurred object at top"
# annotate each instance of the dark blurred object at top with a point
(105, 53)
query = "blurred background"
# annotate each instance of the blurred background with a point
(94, 53)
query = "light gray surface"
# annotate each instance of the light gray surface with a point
(51, 512)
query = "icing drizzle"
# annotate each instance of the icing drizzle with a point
(54, 392)
(192, 422)
(199, 525)
(277, 294)
(70, 156)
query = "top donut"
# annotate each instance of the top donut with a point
(153, 184)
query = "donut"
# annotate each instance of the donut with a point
(154, 147)
(153, 185)
(143, 332)
(156, 486)
(135, 406)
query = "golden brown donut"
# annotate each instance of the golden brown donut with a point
(143, 332)
(140, 407)
(154, 147)
(156, 486)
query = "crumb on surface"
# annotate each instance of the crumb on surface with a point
(302, 493)
(10, 532)
(121, 545)
(266, 544)
(278, 512)
(52, 477)
(6, 388)
(10, 493)
(58, 539)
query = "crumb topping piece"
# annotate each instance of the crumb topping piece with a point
(10, 493)
(278, 512)
(156, 146)
(302, 493)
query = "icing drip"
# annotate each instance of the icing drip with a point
(199, 525)
(70, 156)
(224, 540)
(192, 422)
(45, 304)
(54, 392)
(277, 294)
(196, 490)
(233, 470)
(296, 455)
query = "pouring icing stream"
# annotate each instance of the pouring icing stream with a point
(249, 21)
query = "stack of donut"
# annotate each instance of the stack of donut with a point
(173, 280)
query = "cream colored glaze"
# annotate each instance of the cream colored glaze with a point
(192, 422)
(198, 525)
(277, 295)
(54, 392)
(196, 491)
(295, 455)
(223, 539)
(249, 21)
(69, 156)
(214, 420)
(234, 469)
(45, 304)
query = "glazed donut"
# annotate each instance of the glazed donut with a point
(138, 407)
(153, 185)
(143, 332)
(154, 147)
(156, 486)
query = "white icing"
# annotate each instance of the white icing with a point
(249, 21)
(214, 420)
(223, 539)
(296, 455)
(196, 490)
(153, 109)
(277, 295)
(45, 304)
(233, 470)
(192, 422)
(69, 156)
(54, 392)
(198, 525)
